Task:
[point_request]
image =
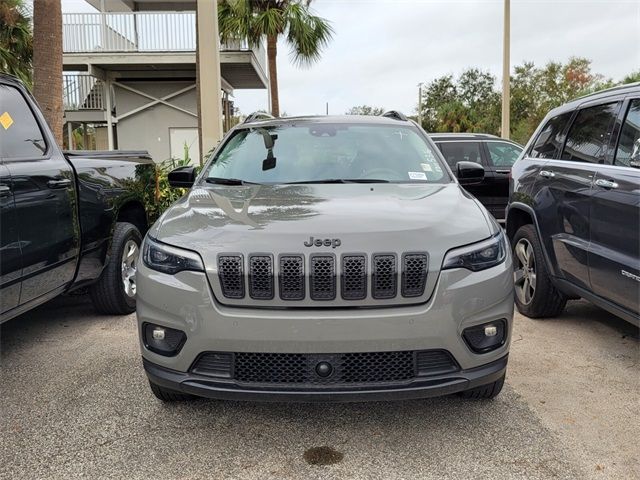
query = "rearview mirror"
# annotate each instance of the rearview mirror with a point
(469, 173)
(182, 177)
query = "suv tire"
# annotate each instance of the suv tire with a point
(491, 390)
(169, 395)
(109, 294)
(535, 295)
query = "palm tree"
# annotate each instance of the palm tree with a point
(306, 34)
(47, 62)
(16, 40)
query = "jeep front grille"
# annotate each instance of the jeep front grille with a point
(385, 276)
(414, 274)
(322, 277)
(261, 277)
(292, 277)
(352, 276)
(231, 275)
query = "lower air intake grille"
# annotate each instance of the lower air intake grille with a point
(347, 368)
(261, 277)
(231, 275)
(322, 279)
(292, 277)
(414, 274)
(354, 277)
(385, 278)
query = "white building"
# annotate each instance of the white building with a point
(130, 72)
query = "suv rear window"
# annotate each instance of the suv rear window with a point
(588, 137)
(455, 152)
(550, 139)
(628, 152)
(315, 151)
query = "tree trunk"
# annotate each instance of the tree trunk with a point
(47, 62)
(272, 52)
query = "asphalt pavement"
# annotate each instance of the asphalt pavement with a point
(75, 404)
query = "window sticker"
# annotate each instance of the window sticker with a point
(426, 167)
(6, 121)
(417, 176)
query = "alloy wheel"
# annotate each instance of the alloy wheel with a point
(524, 274)
(130, 255)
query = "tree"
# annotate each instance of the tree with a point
(365, 110)
(47, 62)
(16, 40)
(305, 33)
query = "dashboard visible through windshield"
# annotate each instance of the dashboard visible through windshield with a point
(326, 153)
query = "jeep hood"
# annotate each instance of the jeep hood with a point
(364, 218)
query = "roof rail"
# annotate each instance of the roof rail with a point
(255, 116)
(607, 90)
(396, 115)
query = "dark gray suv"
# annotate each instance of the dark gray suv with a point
(574, 209)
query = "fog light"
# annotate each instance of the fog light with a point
(489, 331)
(158, 333)
(486, 337)
(163, 340)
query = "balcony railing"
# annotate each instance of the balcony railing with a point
(131, 32)
(82, 92)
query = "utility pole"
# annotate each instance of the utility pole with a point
(506, 68)
(420, 104)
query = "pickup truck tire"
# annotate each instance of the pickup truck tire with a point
(169, 395)
(108, 293)
(544, 299)
(488, 391)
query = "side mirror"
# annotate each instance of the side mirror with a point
(469, 173)
(182, 177)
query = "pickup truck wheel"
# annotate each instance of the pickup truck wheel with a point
(169, 395)
(535, 295)
(490, 390)
(115, 291)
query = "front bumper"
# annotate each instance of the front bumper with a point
(418, 388)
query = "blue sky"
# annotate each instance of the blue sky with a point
(383, 48)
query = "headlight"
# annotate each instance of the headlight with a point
(478, 256)
(167, 259)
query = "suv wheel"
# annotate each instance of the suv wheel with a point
(535, 295)
(169, 395)
(115, 292)
(490, 390)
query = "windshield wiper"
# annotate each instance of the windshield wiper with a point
(228, 181)
(342, 180)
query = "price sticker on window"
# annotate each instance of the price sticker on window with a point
(6, 121)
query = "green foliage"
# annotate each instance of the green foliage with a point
(365, 110)
(306, 34)
(16, 40)
(472, 101)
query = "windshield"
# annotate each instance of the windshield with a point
(317, 152)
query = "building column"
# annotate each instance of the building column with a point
(107, 102)
(209, 82)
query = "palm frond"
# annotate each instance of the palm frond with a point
(307, 34)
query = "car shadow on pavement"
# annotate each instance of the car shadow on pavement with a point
(583, 314)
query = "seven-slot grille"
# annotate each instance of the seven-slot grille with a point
(358, 368)
(355, 270)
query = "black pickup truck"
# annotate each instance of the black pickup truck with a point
(67, 220)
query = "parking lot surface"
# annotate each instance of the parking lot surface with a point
(75, 404)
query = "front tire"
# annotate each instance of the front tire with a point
(115, 292)
(169, 395)
(491, 390)
(535, 294)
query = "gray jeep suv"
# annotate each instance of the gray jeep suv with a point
(328, 259)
